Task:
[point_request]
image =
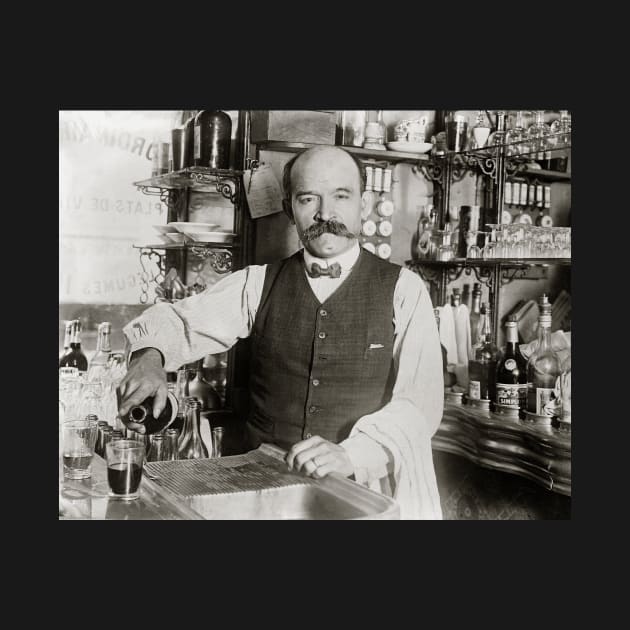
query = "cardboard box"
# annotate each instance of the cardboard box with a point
(315, 127)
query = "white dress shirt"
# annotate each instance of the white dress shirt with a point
(211, 322)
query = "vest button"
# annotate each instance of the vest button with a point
(309, 435)
(315, 382)
(312, 408)
(323, 312)
(322, 335)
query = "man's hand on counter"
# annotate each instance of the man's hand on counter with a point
(317, 457)
(145, 377)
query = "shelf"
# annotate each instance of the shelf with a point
(199, 178)
(480, 262)
(557, 176)
(539, 453)
(366, 154)
(188, 245)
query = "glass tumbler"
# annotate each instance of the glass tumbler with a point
(125, 459)
(78, 441)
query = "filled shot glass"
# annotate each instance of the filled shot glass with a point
(125, 459)
(78, 441)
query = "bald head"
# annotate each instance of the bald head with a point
(321, 157)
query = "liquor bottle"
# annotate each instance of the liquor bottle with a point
(507, 193)
(511, 376)
(426, 225)
(516, 136)
(456, 298)
(75, 358)
(467, 296)
(543, 368)
(66, 341)
(213, 132)
(100, 361)
(376, 133)
(143, 414)
(497, 137)
(482, 369)
(385, 206)
(202, 390)
(537, 137)
(561, 130)
(369, 198)
(531, 196)
(190, 445)
(475, 315)
(188, 144)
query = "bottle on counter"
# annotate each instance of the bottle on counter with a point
(497, 137)
(516, 136)
(190, 444)
(143, 414)
(66, 341)
(482, 369)
(212, 138)
(475, 315)
(100, 361)
(543, 368)
(75, 358)
(456, 298)
(511, 375)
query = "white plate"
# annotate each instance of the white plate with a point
(210, 237)
(410, 147)
(192, 227)
(164, 229)
(175, 237)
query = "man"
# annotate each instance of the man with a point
(346, 361)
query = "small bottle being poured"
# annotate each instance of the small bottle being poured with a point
(143, 414)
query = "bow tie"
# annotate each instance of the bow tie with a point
(332, 271)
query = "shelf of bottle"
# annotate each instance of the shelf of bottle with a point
(514, 150)
(187, 245)
(200, 178)
(366, 154)
(492, 262)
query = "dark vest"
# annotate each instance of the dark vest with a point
(317, 368)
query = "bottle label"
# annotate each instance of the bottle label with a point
(510, 394)
(510, 364)
(474, 390)
(545, 401)
(197, 142)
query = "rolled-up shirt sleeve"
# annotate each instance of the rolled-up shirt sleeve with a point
(210, 322)
(418, 393)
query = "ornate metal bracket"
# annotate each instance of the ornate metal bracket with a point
(513, 167)
(220, 261)
(431, 171)
(150, 255)
(521, 273)
(452, 273)
(460, 168)
(222, 186)
(488, 165)
(483, 274)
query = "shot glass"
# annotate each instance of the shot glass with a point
(125, 459)
(79, 439)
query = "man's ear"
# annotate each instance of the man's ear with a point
(288, 210)
(365, 208)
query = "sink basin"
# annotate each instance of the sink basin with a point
(288, 503)
(258, 486)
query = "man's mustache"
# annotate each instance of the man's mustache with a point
(325, 227)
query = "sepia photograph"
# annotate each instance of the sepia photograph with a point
(314, 314)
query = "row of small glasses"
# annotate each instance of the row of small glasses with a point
(519, 240)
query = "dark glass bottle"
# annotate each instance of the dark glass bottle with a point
(190, 445)
(66, 341)
(202, 390)
(143, 414)
(511, 371)
(475, 315)
(75, 358)
(482, 369)
(456, 298)
(188, 142)
(212, 136)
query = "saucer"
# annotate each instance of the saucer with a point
(410, 147)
